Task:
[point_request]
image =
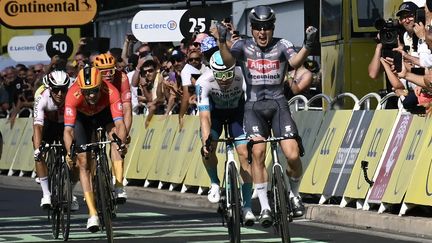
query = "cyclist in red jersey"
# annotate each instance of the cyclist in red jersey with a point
(91, 103)
(105, 63)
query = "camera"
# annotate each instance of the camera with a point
(389, 35)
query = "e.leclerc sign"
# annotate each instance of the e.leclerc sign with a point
(47, 13)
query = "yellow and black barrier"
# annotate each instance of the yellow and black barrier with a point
(396, 146)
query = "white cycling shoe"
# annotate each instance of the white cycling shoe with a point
(93, 224)
(214, 194)
(248, 217)
(45, 202)
(121, 195)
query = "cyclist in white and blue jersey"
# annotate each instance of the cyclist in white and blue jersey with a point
(220, 94)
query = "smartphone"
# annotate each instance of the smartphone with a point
(420, 16)
(397, 61)
(213, 23)
(418, 71)
(131, 37)
(227, 20)
(236, 32)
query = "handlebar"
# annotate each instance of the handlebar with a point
(95, 145)
(275, 140)
(44, 147)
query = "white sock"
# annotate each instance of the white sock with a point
(295, 185)
(262, 195)
(45, 188)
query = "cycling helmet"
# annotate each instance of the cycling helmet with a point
(216, 63)
(261, 15)
(56, 79)
(89, 78)
(104, 61)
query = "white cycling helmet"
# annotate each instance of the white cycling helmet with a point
(223, 75)
(56, 79)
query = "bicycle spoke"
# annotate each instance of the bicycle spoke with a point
(281, 206)
(234, 200)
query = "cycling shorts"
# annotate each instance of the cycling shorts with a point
(86, 125)
(52, 131)
(234, 117)
(262, 115)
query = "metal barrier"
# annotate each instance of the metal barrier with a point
(295, 101)
(366, 100)
(342, 96)
(323, 97)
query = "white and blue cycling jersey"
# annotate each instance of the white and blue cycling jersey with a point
(210, 95)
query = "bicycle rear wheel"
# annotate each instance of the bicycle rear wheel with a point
(281, 205)
(104, 201)
(66, 200)
(234, 201)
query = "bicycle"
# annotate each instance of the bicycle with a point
(59, 180)
(102, 183)
(231, 197)
(282, 211)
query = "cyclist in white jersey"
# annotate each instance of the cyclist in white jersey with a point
(48, 125)
(220, 96)
(264, 62)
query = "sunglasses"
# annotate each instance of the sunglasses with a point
(107, 72)
(56, 90)
(223, 75)
(196, 44)
(144, 72)
(263, 26)
(88, 92)
(197, 59)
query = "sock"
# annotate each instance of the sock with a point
(212, 172)
(295, 185)
(262, 195)
(45, 188)
(118, 172)
(89, 197)
(247, 195)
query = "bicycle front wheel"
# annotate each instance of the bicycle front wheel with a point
(281, 205)
(56, 190)
(234, 201)
(104, 200)
(66, 200)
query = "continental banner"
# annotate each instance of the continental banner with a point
(373, 148)
(136, 132)
(406, 162)
(23, 160)
(388, 162)
(149, 143)
(186, 143)
(347, 153)
(163, 160)
(11, 139)
(420, 187)
(334, 126)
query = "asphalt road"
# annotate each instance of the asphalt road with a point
(21, 220)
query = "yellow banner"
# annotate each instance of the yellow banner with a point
(11, 139)
(315, 176)
(24, 153)
(136, 132)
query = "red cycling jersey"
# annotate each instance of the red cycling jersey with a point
(121, 82)
(75, 101)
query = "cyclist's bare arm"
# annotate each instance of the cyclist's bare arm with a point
(37, 135)
(68, 137)
(127, 116)
(297, 60)
(205, 122)
(120, 129)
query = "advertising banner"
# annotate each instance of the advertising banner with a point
(29, 48)
(390, 158)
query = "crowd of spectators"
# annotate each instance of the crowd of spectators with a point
(162, 75)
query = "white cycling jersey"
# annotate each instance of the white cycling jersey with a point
(210, 95)
(45, 108)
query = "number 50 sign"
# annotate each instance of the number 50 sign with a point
(59, 44)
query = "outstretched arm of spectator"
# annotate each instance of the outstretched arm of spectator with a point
(374, 68)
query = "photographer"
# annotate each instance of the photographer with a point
(386, 56)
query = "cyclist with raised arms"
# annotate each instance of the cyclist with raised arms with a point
(105, 63)
(91, 103)
(264, 62)
(48, 125)
(220, 96)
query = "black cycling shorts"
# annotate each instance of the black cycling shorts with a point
(52, 132)
(86, 125)
(262, 115)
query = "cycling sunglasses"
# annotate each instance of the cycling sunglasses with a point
(262, 26)
(88, 92)
(56, 90)
(106, 72)
(223, 75)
